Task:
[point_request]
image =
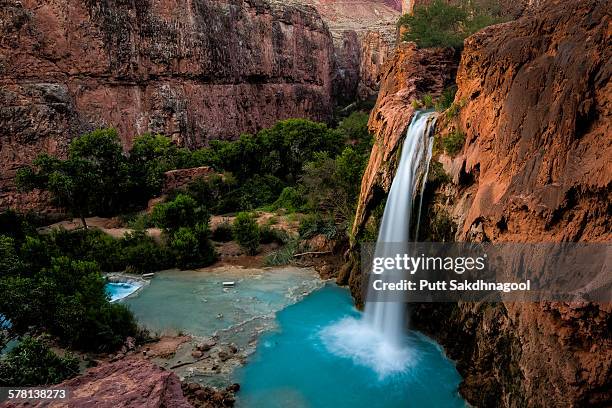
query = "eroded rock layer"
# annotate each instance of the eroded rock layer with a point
(364, 36)
(126, 383)
(193, 70)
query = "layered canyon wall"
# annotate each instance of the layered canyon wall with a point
(192, 70)
(364, 34)
(536, 167)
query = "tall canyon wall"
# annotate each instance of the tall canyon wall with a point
(536, 167)
(194, 70)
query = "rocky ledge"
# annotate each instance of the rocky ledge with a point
(126, 383)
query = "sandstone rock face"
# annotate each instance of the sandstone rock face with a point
(406, 77)
(538, 125)
(194, 71)
(536, 167)
(191, 70)
(179, 179)
(126, 383)
(364, 34)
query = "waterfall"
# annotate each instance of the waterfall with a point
(378, 340)
(387, 317)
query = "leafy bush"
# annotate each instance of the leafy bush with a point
(9, 261)
(354, 129)
(150, 157)
(33, 363)
(333, 185)
(291, 199)
(445, 101)
(223, 232)
(135, 252)
(453, 143)
(140, 253)
(68, 299)
(15, 225)
(255, 192)
(440, 24)
(427, 101)
(314, 224)
(182, 211)
(93, 179)
(192, 247)
(214, 193)
(246, 232)
(437, 175)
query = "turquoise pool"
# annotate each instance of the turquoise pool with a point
(308, 363)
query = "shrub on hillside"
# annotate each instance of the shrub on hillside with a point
(192, 247)
(283, 256)
(141, 254)
(182, 211)
(246, 232)
(268, 235)
(453, 143)
(67, 299)
(313, 224)
(291, 199)
(223, 232)
(441, 24)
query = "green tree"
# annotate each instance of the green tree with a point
(441, 24)
(246, 232)
(192, 247)
(68, 300)
(354, 129)
(182, 211)
(150, 157)
(332, 185)
(90, 180)
(10, 263)
(33, 363)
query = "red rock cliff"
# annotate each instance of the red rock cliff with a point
(536, 166)
(364, 34)
(191, 70)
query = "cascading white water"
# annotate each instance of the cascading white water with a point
(377, 339)
(388, 316)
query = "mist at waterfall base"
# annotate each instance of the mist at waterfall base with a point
(327, 354)
(302, 364)
(378, 339)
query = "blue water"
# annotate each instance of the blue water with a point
(196, 303)
(120, 290)
(306, 364)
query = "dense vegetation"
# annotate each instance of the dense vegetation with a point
(32, 362)
(50, 288)
(57, 290)
(441, 24)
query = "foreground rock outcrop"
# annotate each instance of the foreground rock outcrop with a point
(536, 167)
(126, 383)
